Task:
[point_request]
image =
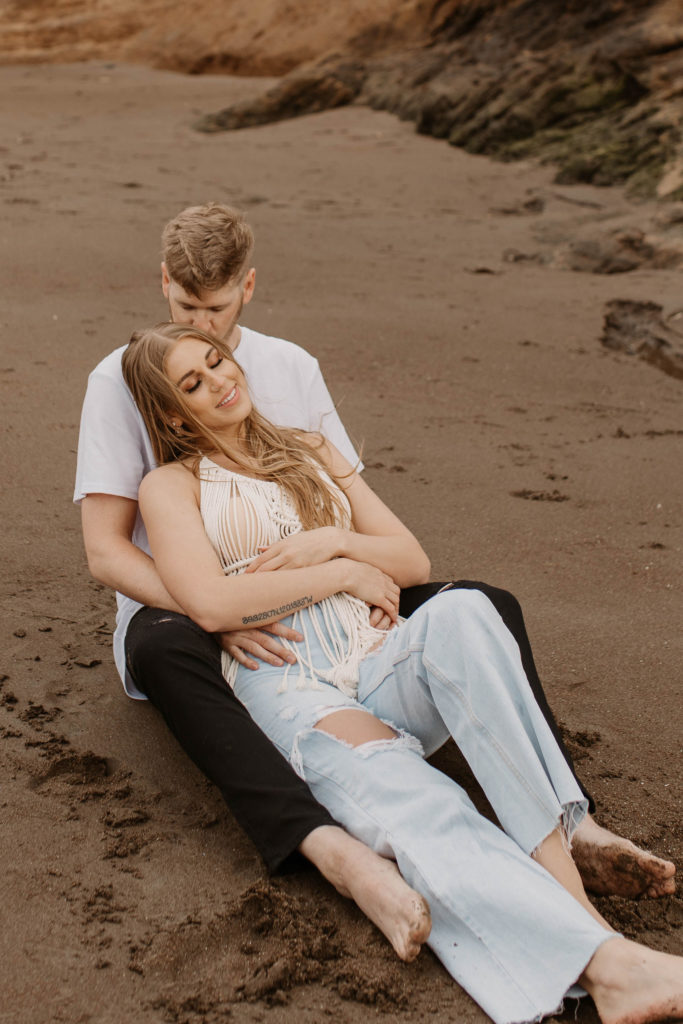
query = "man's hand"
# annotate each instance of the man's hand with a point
(310, 547)
(244, 645)
(379, 619)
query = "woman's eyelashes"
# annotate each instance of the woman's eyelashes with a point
(212, 366)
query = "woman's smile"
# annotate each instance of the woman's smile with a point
(229, 398)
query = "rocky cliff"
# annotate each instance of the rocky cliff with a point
(595, 86)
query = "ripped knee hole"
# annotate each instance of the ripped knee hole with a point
(355, 727)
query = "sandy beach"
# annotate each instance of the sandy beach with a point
(464, 354)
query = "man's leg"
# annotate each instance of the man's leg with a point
(608, 863)
(178, 666)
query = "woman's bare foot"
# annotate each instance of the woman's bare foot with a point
(400, 913)
(376, 885)
(611, 865)
(631, 984)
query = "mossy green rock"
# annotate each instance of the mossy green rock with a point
(590, 86)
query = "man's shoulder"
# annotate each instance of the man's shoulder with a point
(255, 347)
(110, 366)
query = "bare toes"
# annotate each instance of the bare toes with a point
(620, 868)
(665, 888)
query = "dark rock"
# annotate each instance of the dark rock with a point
(533, 205)
(670, 218)
(297, 94)
(516, 256)
(591, 87)
(639, 329)
(617, 254)
(530, 495)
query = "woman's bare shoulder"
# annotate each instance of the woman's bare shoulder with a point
(331, 456)
(174, 477)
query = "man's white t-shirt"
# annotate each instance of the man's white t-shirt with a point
(115, 452)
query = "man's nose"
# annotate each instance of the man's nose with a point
(201, 320)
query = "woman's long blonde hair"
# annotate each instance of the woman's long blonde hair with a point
(266, 451)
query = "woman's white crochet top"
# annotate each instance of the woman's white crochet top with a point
(242, 514)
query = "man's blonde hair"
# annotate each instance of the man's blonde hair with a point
(206, 247)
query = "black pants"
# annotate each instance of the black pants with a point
(178, 666)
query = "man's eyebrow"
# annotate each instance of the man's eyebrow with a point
(189, 373)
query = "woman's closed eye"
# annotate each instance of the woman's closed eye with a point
(212, 366)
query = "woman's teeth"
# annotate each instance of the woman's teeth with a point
(228, 398)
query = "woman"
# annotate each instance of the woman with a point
(249, 523)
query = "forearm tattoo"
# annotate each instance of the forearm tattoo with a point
(282, 610)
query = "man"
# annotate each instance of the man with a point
(162, 655)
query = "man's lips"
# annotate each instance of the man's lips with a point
(229, 398)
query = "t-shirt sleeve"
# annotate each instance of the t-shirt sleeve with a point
(111, 442)
(323, 417)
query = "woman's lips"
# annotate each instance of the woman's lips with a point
(229, 398)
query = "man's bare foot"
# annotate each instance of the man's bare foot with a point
(631, 984)
(376, 885)
(611, 865)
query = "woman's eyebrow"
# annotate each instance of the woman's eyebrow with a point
(189, 373)
(184, 377)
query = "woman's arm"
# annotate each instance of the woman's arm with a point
(192, 573)
(379, 537)
(108, 523)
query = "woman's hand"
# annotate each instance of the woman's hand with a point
(372, 586)
(310, 547)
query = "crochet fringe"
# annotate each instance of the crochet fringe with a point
(242, 514)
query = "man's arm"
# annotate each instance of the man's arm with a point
(108, 521)
(323, 417)
(112, 454)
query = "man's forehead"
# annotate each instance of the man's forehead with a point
(207, 296)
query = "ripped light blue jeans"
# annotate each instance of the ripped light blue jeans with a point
(501, 925)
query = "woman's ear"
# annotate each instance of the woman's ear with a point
(174, 422)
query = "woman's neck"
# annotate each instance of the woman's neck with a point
(234, 455)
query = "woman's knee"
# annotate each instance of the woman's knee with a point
(355, 727)
(450, 607)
